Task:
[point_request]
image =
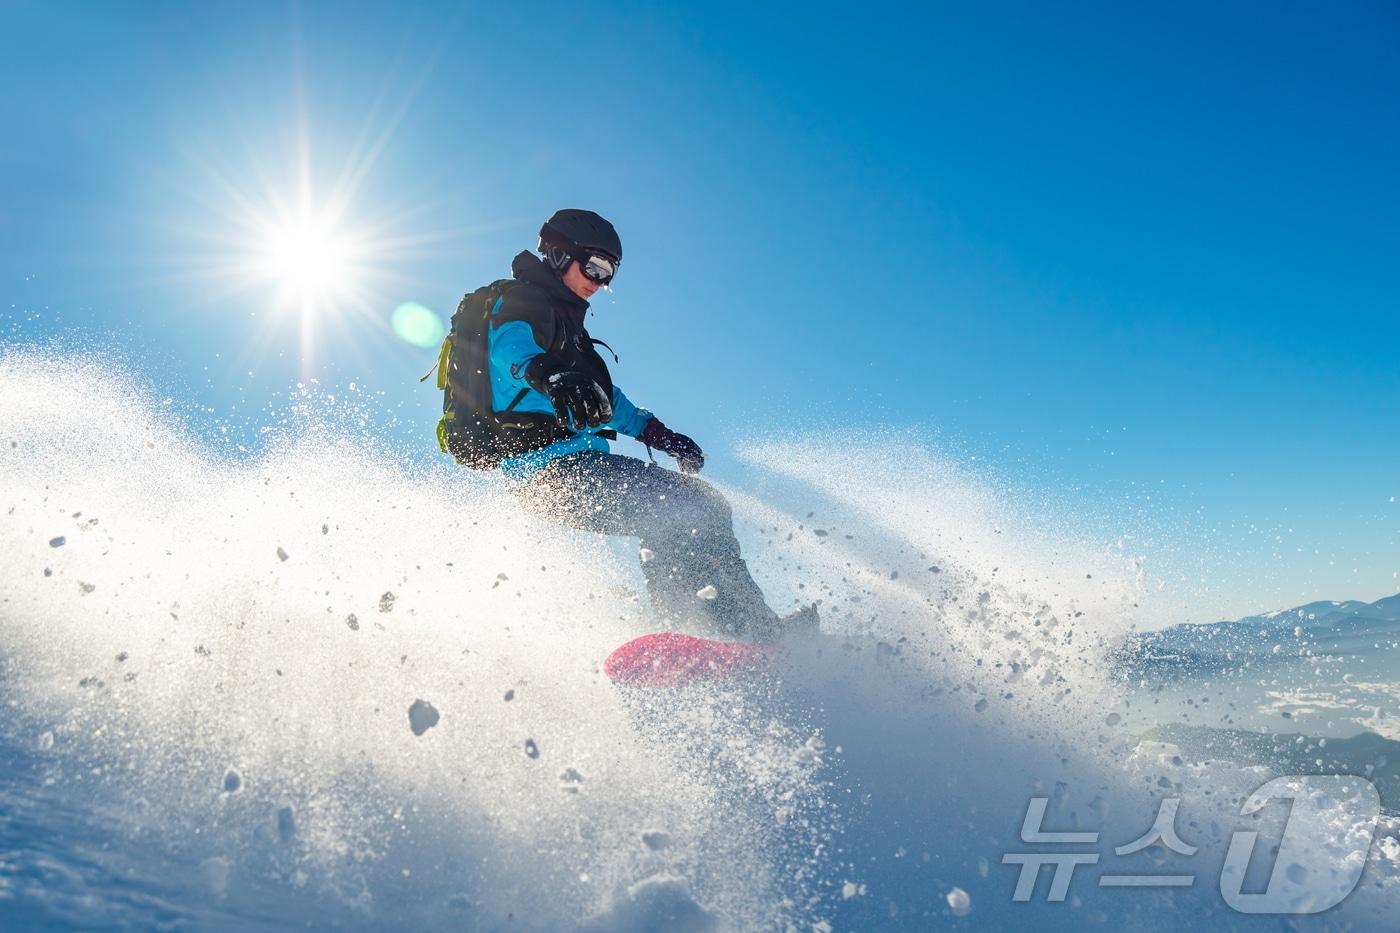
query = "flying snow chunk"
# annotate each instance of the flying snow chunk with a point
(417, 325)
(286, 823)
(707, 591)
(60, 541)
(233, 782)
(422, 716)
(959, 902)
(661, 902)
(215, 872)
(646, 554)
(282, 554)
(656, 840)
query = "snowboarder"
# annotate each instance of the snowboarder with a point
(527, 392)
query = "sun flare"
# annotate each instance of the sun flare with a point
(310, 262)
(297, 242)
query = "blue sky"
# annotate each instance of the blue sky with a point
(1110, 251)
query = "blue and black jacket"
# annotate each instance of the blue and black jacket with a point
(513, 422)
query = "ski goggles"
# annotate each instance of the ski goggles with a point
(598, 268)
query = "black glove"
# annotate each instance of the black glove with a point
(689, 457)
(572, 393)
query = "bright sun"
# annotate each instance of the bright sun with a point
(311, 263)
(298, 247)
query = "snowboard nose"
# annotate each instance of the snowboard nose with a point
(673, 659)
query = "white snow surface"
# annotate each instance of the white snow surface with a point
(196, 737)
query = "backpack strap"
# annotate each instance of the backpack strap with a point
(441, 366)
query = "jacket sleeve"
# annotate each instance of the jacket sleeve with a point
(522, 326)
(512, 348)
(627, 418)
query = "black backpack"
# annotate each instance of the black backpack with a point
(471, 429)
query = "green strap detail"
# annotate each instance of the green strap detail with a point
(441, 366)
(442, 431)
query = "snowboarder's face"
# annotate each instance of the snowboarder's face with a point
(578, 283)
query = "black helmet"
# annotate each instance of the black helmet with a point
(578, 233)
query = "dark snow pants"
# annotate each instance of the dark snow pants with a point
(690, 557)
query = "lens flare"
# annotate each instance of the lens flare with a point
(417, 325)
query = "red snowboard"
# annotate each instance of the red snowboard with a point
(670, 659)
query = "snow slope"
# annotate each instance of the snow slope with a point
(221, 676)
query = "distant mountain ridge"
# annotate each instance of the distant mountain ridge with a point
(1317, 624)
(1326, 613)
